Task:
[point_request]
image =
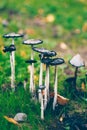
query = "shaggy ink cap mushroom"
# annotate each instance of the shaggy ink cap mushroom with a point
(77, 61)
(44, 57)
(32, 42)
(45, 52)
(30, 61)
(13, 35)
(9, 48)
(57, 61)
(46, 60)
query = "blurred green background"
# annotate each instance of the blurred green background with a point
(61, 24)
(54, 22)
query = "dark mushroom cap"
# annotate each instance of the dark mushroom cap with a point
(30, 61)
(57, 61)
(42, 87)
(46, 60)
(77, 61)
(12, 35)
(45, 52)
(32, 42)
(9, 48)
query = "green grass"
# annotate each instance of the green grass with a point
(12, 103)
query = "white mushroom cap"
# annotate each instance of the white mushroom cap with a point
(77, 61)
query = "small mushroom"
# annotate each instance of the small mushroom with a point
(40, 91)
(32, 42)
(32, 87)
(12, 49)
(77, 62)
(55, 62)
(46, 61)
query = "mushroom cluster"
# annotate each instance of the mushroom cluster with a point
(46, 57)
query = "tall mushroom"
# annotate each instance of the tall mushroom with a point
(40, 90)
(32, 89)
(32, 42)
(44, 57)
(12, 56)
(55, 62)
(77, 62)
(46, 61)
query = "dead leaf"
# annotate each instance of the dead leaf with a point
(60, 99)
(11, 120)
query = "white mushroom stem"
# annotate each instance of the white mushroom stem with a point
(32, 86)
(12, 62)
(41, 74)
(40, 80)
(55, 88)
(42, 107)
(47, 86)
(48, 81)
